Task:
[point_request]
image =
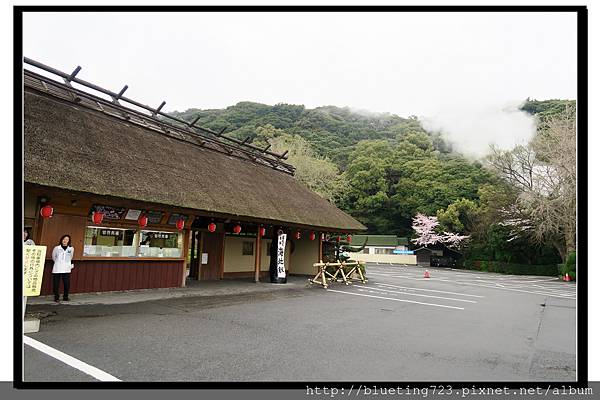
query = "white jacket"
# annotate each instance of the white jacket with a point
(62, 259)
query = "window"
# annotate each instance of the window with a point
(384, 251)
(109, 242)
(161, 244)
(247, 248)
(268, 249)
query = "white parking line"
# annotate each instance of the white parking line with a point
(389, 298)
(414, 294)
(427, 290)
(71, 361)
(494, 287)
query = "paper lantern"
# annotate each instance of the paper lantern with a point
(297, 235)
(143, 221)
(349, 239)
(262, 231)
(237, 229)
(47, 211)
(212, 227)
(97, 217)
(311, 236)
(180, 223)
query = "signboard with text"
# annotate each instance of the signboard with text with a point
(33, 269)
(281, 238)
(403, 252)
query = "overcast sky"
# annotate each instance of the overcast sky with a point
(462, 73)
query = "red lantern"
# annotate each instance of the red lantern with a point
(349, 239)
(180, 223)
(322, 236)
(237, 229)
(298, 235)
(47, 211)
(143, 221)
(311, 236)
(97, 217)
(212, 227)
(262, 231)
(338, 238)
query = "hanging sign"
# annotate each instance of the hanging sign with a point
(154, 217)
(175, 216)
(108, 211)
(33, 269)
(132, 214)
(281, 238)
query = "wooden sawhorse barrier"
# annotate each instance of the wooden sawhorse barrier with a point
(323, 275)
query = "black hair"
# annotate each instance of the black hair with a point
(64, 236)
(26, 230)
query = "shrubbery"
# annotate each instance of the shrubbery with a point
(569, 266)
(513, 268)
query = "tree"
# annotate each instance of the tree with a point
(544, 176)
(425, 227)
(459, 216)
(317, 173)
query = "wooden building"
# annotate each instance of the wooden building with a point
(169, 194)
(437, 255)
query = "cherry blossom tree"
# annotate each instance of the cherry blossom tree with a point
(425, 226)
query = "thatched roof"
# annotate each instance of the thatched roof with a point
(70, 146)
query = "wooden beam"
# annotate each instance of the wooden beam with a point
(257, 255)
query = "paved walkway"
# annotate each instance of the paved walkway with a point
(193, 289)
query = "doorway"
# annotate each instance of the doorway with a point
(211, 246)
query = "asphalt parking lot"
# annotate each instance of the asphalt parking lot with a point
(455, 326)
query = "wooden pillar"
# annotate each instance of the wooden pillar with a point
(320, 247)
(257, 256)
(199, 252)
(193, 253)
(222, 270)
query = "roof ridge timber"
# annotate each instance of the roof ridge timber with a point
(207, 138)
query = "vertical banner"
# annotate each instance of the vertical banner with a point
(33, 269)
(281, 238)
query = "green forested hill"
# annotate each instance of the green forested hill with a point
(544, 108)
(382, 168)
(331, 131)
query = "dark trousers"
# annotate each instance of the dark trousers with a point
(66, 278)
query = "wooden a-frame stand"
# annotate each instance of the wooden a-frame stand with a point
(322, 275)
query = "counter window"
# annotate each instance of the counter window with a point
(109, 242)
(161, 244)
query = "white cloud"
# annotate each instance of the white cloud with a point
(473, 129)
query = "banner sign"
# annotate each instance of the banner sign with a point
(33, 269)
(281, 238)
(403, 252)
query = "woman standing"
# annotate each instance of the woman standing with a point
(62, 256)
(26, 239)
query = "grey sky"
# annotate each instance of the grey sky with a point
(463, 73)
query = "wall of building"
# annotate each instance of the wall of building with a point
(373, 249)
(306, 253)
(410, 259)
(114, 275)
(235, 261)
(92, 274)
